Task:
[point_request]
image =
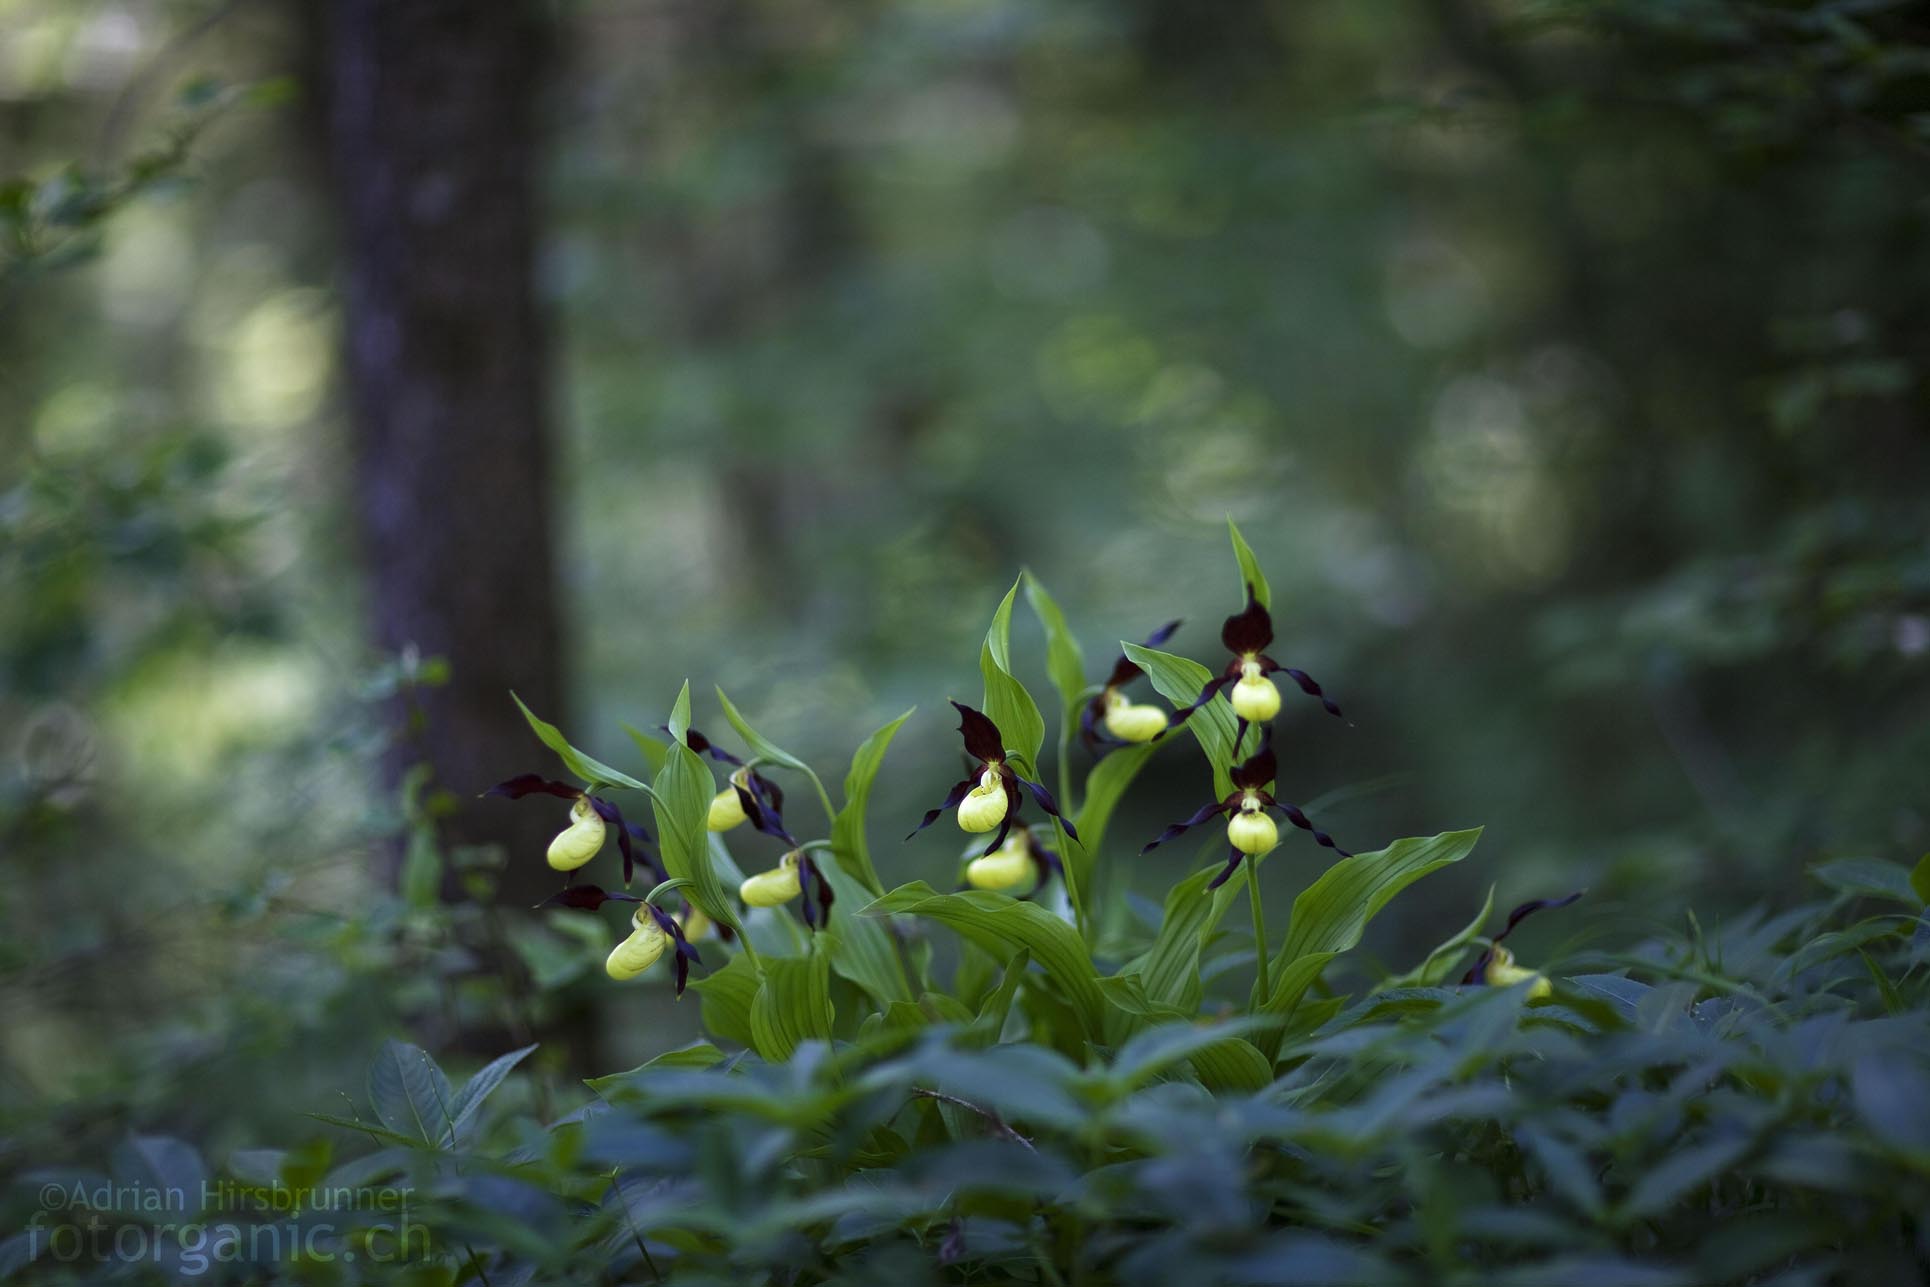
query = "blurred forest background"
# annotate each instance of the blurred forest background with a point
(1563, 360)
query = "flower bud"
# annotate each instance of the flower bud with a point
(1007, 866)
(1502, 972)
(577, 843)
(638, 952)
(1134, 723)
(726, 808)
(1251, 831)
(984, 808)
(1255, 699)
(769, 888)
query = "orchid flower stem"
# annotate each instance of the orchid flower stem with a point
(824, 797)
(1262, 986)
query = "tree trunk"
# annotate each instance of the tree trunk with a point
(432, 110)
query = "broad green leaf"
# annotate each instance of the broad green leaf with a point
(1179, 681)
(483, 1084)
(1920, 879)
(1331, 914)
(1170, 968)
(1232, 1066)
(1678, 1173)
(1105, 787)
(1155, 1050)
(1007, 703)
(591, 770)
(863, 950)
(681, 802)
(848, 843)
(650, 746)
(793, 1003)
(726, 996)
(1004, 926)
(1065, 662)
(1441, 961)
(1871, 878)
(770, 750)
(1250, 573)
(409, 1093)
(679, 721)
(990, 1022)
(699, 1054)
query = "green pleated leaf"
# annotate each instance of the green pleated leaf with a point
(409, 1093)
(1331, 914)
(590, 769)
(1105, 787)
(1179, 680)
(1004, 926)
(681, 802)
(848, 844)
(1156, 1050)
(998, 1004)
(1250, 573)
(1170, 969)
(1007, 703)
(1920, 879)
(1065, 661)
(480, 1087)
(1441, 961)
(793, 1003)
(726, 997)
(1234, 1065)
(863, 950)
(650, 746)
(768, 749)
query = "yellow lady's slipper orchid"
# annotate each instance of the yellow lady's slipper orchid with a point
(985, 806)
(796, 873)
(589, 818)
(579, 842)
(989, 797)
(1010, 865)
(1496, 967)
(695, 923)
(1132, 721)
(1250, 831)
(726, 808)
(1111, 718)
(1501, 972)
(1247, 635)
(639, 951)
(770, 888)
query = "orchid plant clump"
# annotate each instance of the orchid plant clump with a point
(1024, 903)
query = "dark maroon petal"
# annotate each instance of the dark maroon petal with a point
(1233, 857)
(956, 794)
(1211, 687)
(1299, 820)
(1306, 683)
(1162, 634)
(586, 898)
(768, 793)
(1012, 802)
(762, 810)
(1478, 972)
(704, 746)
(1248, 631)
(983, 741)
(644, 858)
(1046, 802)
(534, 784)
(1049, 865)
(611, 814)
(952, 1249)
(1091, 735)
(1181, 828)
(1526, 910)
(1258, 770)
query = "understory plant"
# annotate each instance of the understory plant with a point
(982, 1077)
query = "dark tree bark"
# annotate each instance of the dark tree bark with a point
(431, 114)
